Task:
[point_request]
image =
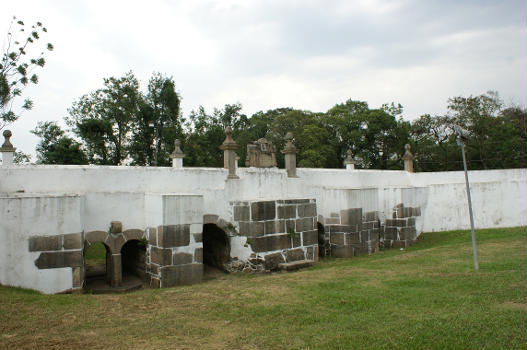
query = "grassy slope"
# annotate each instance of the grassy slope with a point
(427, 296)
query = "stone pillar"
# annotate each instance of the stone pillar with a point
(349, 161)
(408, 158)
(7, 149)
(229, 148)
(116, 276)
(177, 155)
(290, 155)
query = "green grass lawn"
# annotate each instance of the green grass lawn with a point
(424, 297)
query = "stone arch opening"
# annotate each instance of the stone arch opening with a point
(323, 244)
(216, 247)
(97, 264)
(133, 260)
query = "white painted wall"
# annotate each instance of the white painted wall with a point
(23, 217)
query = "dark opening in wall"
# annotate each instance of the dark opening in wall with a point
(96, 261)
(323, 244)
(133, 259)
(216, 246)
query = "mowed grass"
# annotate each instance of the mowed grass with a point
(424, 297)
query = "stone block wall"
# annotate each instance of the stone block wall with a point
(351, 232)
(175, 255)
(400, 230)
(57, 251)
(279, 231)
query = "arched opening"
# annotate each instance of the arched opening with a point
(133, 262)
(97, 258)
(216, 247)
(323, 244)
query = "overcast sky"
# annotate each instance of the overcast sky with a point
(269, 54)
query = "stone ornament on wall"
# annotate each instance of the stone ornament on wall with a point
(261, 154)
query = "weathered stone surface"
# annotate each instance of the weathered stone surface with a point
(272, 260)
(416, 211)
(76, 274)
(295, 265)
(296, 240)
(210, 219)
(252, 229)
(332, 221)
(115, 242)
(72, 241)
(408, 233)
(198, 255)
(390, 233)
(304, 224)
(181, 275)
(294, 255)
(182, 258)
(52, 260)
(290, 225)
(155, 282)
(293, 201)
(45, 243)
(316, 253)
(265, 210)
(309, 237)
(310, 251)
(307, 210)
(154, 269)
(351, 216)
(287, 212)
(371, 216)
(152, 235)
(134, 234)
(270, 243)
(198, 237)
(116, 227)
(241, 213)
(174, 236)
(161, 256)
(337, 238)
(346, 251)
(353, 238)
(343, 228)
(274, 226)
(96, 236)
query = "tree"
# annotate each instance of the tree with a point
(157, 124)
(56, 148)
(16, 70)
(104, 119)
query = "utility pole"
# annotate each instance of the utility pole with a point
(460, 142)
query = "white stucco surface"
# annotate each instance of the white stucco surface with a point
(51, 200)
(23, 217)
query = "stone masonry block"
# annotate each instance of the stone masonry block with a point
(198, 255)
(293, 201)
(408, 233)
(182, 258)
(287, 212)
(45, 243)
(274, 226)
(310, 253)
(181, 275)
(304, 224)
(296, 240)
(343, 228)
(270, 243)
(332, 221)
(198, 237)
(72, 241)
(294, 255)
(115, 242)
(53, 260)
(161, 256)
(241, 213)
(416, 211)
(337, 238)
(174, 236)
(271, 261)
(252, 229)
(346, 251)
(309, 238)
(351, 216)
(353, 238)
(307, 210)
(134, 234)
(152, 235)
(265, 210)
(371, 216)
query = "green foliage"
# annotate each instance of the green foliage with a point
(17, 70)
(56, 148)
